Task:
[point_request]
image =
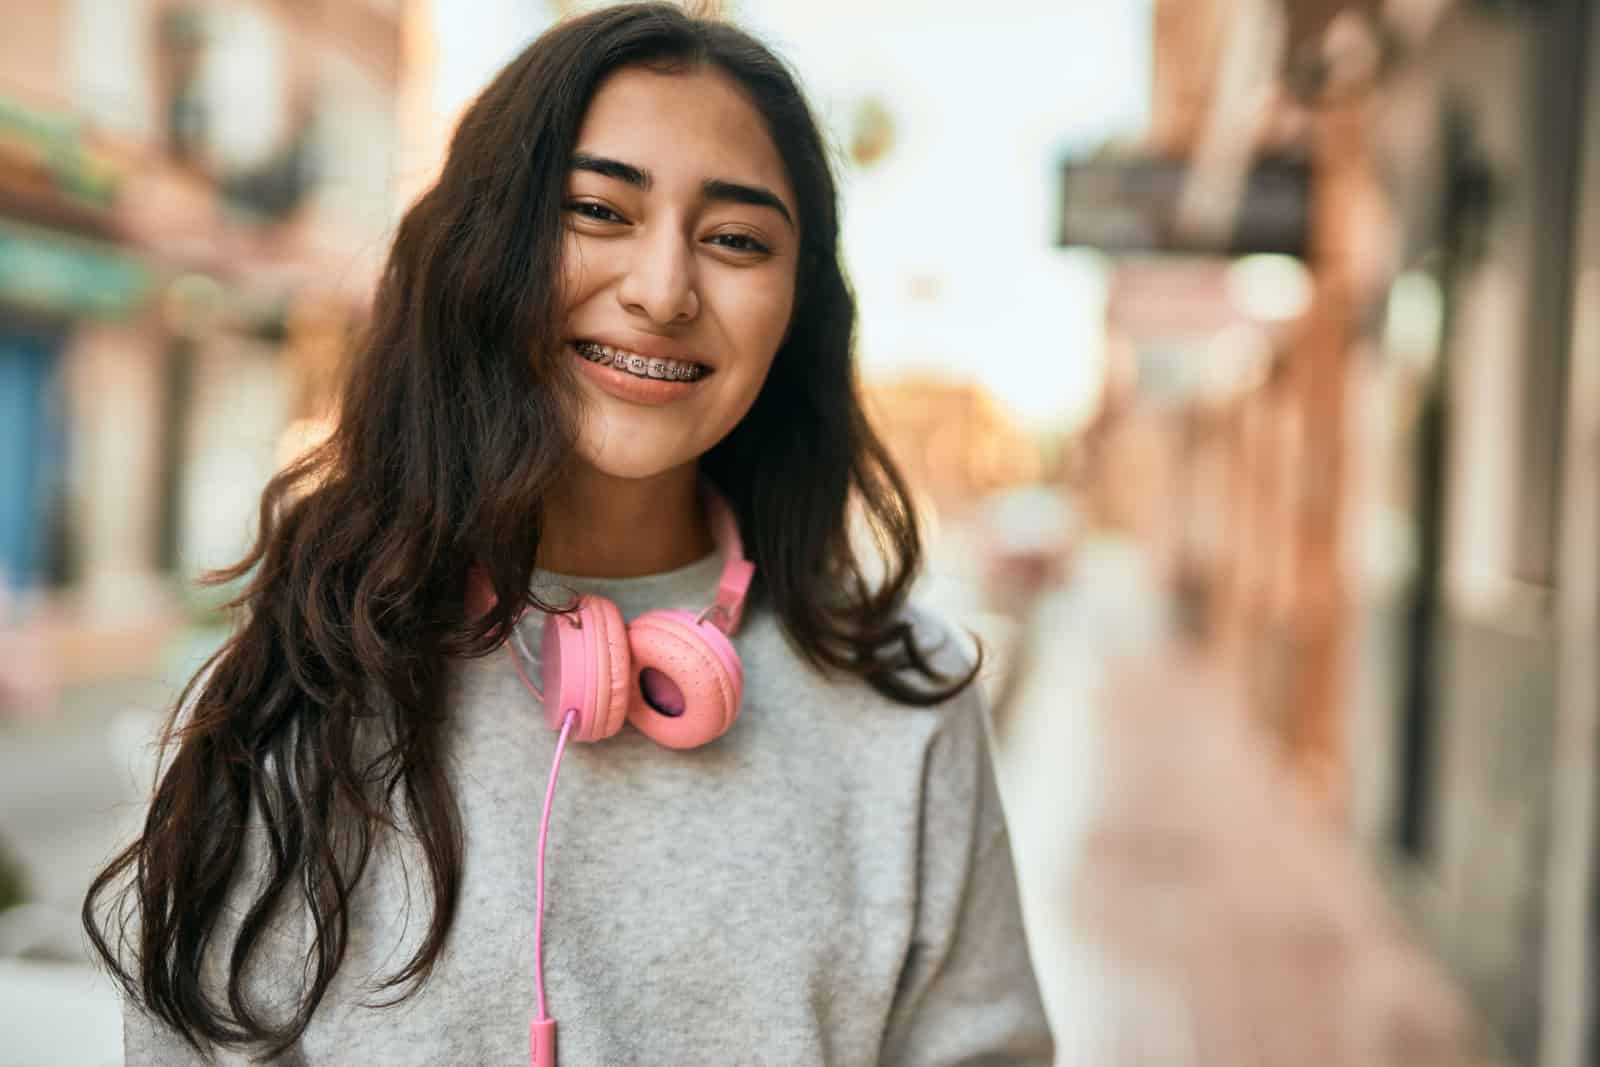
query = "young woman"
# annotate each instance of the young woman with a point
(609, 374)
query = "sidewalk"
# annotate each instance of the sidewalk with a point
(1184, 910)
(72, 785)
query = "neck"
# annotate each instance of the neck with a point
(599, 526)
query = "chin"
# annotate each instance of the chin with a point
(632, 457)
(625, 469)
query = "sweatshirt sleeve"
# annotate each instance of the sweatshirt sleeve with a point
(967, 993)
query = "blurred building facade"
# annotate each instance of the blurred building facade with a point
(193, 202)
(1376, 459)
(953, 441)
(1476, 748)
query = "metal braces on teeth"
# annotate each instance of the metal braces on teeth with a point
(639, 366)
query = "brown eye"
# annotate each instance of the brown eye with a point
(740, 242)
(590, 210)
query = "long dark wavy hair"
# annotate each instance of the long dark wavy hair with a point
(456, 419)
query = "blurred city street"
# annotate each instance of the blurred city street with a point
(1186, 904)
(1224, 925)
(71, 791)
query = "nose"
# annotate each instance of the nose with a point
(660, 281)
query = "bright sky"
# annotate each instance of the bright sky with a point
(948, 239)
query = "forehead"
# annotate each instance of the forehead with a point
(683, 126)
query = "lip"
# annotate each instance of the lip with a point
(648, 392)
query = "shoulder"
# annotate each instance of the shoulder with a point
(962, 820)
(852, 726)
(960, 792)
(949, 649)
(954, 729)
(953, 653)
(773, 661)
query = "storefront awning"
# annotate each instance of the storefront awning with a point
(47, 272)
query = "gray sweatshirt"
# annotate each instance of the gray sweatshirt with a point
(830, 882)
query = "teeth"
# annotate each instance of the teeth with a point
(669, 370)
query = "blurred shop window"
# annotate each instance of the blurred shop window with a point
(356, 143)
(241, 403)
(30, 456)
(234, 111)
(228, 105)
(109, 65)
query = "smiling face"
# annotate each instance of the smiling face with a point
(678, 271)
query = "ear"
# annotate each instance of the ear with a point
(480, 594)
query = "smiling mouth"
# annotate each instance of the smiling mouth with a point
(653, 367)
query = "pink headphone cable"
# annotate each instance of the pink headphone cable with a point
(544, 834)
(542, 1030)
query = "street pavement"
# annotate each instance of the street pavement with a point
(71, 788)
(1185, 908)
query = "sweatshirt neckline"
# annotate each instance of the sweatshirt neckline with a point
(683, 587)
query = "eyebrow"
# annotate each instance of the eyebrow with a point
(711, 188)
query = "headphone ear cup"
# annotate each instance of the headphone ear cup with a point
(687, 680)
(616, 672)
(587, 667)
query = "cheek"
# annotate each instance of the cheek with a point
(574, 277)
(764, 324)
(764, 321)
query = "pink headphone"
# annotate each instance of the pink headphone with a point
(673, 674)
